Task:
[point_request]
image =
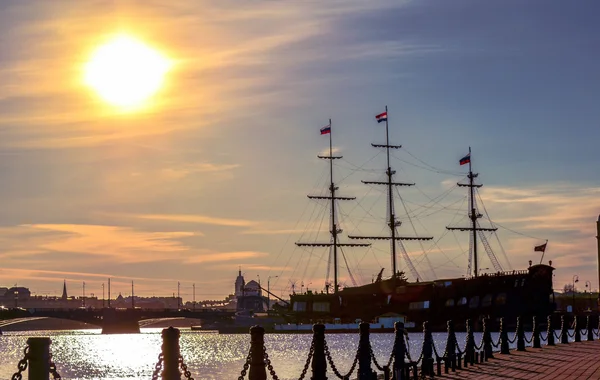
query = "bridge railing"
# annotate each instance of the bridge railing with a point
(399, 365)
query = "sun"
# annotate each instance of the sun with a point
(125, 72)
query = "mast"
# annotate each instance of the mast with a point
(334, 231)
(473, 215)
(392, 222)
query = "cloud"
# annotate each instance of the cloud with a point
(210, 257)
(243, 55)
(121, 244)
(196, 219)
(274, 232)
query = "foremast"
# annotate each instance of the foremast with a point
(334, 230)
(474, 215)
(391, 217)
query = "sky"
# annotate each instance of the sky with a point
(211, 174)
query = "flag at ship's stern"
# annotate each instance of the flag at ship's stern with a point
(326, 129)
(540, 248)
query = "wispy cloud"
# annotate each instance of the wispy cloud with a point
(196, 219)
(210, 257)
(121, 244)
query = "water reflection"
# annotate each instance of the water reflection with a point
(87, 354)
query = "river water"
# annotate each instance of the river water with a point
(87, 354)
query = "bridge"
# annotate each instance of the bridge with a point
(113, 320)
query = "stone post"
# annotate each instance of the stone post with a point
(319, 362)
(170, 351)
(257, 358)
(39, 358)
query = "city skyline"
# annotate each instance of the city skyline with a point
(212, 172)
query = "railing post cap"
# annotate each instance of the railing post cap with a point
(257, 330)
(318, 328)
(39, 340)
(364, 326)
(398, 326)
(170, 332)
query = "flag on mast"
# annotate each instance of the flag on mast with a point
(540, 248)
(466, 159)
(326, 129)
(381, 117)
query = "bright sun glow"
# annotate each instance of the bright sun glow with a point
(125, 72)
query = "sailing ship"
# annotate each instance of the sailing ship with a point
(506, 294)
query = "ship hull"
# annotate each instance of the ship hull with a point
(506, 295)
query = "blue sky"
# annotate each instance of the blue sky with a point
(213, 173)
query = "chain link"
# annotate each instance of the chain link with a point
(184, 369)
(270, 366)
(22, 366)
(557, 336)
(310, 355)
(381, 368)
(480, 347)
(246, 366)
(53, 371)
(333, 367)
(157, 367)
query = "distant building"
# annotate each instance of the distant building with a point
(249, 296)
(239, 284)
(64, 293)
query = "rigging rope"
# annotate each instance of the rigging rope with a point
(504, 255)
(415, 231)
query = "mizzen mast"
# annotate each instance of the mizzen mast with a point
(474, 215)
(391, 217)
(334, 228)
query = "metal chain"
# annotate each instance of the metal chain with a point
(22, 366)
(571, 335)
(157, 367)
(514, 339)
(478, 348)
(308, 359)
(497, 344)
(542, 338)
(335, 370)
(184, 369)
(435, 351)
(53, 370)
(375, 360)
(393, 355)
(246, 366)
(459, 350)
(528, 341)
(270, 366)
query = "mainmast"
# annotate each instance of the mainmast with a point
(473, 215)
(392, 222)
(334, 231)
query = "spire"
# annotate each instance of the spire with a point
(64, 294)
(240, 271)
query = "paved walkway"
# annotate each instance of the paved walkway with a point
(563, 361)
